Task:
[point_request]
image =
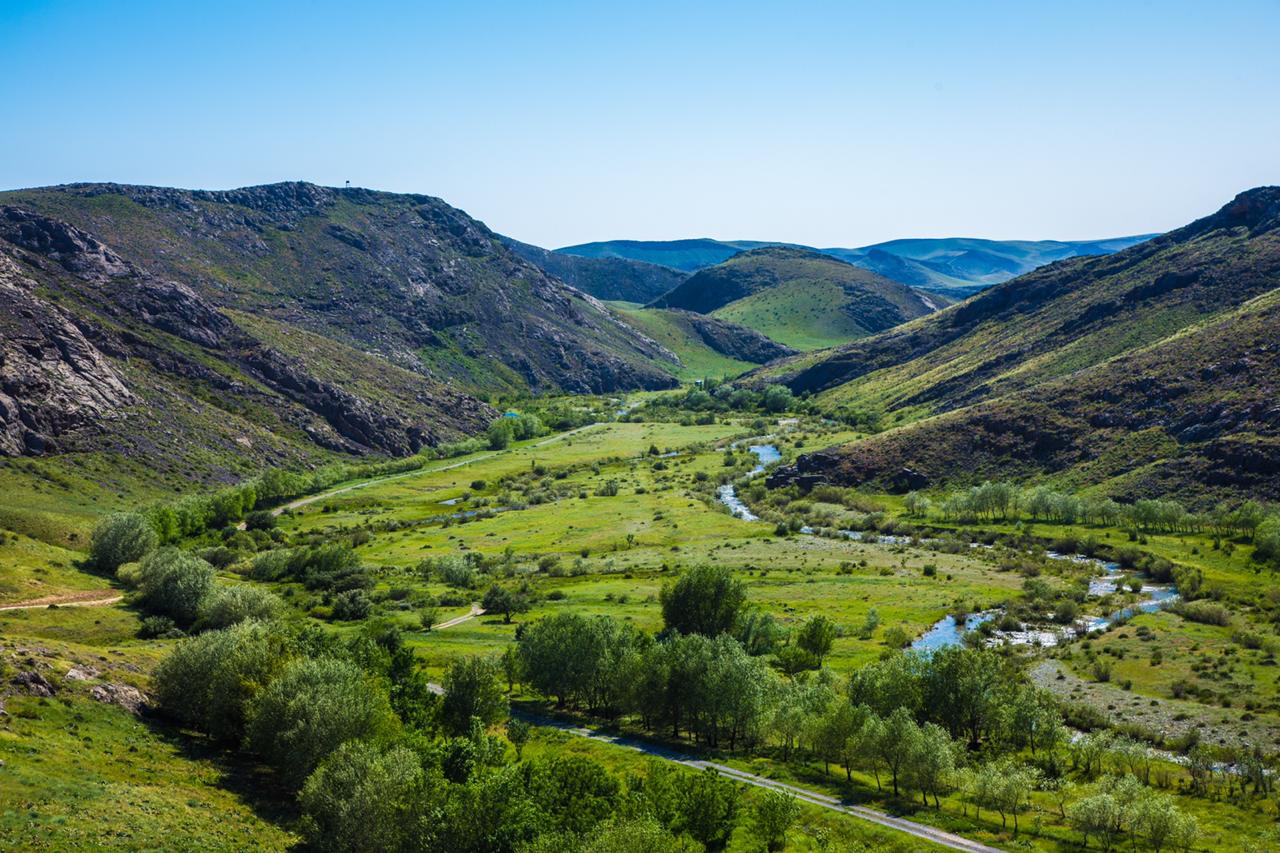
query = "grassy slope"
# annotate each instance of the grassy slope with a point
(803, 314)
(698, 359)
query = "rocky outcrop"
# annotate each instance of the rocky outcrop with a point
(52, 380)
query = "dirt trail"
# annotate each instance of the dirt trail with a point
(476, 610)
(88, 598)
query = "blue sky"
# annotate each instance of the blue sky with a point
(556, 123)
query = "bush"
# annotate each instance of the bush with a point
(207, 681)
(260, 520)
(230, 605)
(312, 708)
(175, 583)
(362, 798)
(704, 600)
(1203, 612)
(122, 537)
(159, 627)
(351, 605)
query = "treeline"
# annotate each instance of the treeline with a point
(378, 761)
(1007, 502)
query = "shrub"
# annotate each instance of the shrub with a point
(122, 537)
(351, 605)
(175, 583)
(362, 798)
(229, 605)
(312, 708)
(206, 681)
(704, 600)
(1203, 612)
(158, 627)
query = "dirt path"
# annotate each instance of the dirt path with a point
(928, 833)
(89, 598)
(301, 502)
(476, 610)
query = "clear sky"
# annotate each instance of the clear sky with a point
(831, 124)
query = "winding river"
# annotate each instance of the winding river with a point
(947, 631)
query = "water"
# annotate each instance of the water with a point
(765, 454)
(946, 632)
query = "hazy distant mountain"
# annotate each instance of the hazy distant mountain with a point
(954, 266)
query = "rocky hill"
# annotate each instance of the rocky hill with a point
(797, 297)
(404, 277)
(1151, 370)
(214, 332)
(614, 279)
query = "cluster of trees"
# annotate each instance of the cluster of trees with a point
(513, 427)
(714, 395)
(1004, 501)
(176, 587)
(377, 761)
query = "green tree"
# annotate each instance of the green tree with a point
(709, 808)
(777, 398)
(816, 636)
(501, 600)
(775, 813)
(122, 537)
(899, 740)
(225, 606)
(932, 762)
(578, 793)
(518, 732)
(499, 434)
(362, 798)
(705, 600)
(312, 708)
(175, 583)
(472, 688)
(206, 682)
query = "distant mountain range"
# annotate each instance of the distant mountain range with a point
(1145, 372)
(956, 267)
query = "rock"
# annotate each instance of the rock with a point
(87, 673)
(52, 380)
(34, 683)
(129, 698)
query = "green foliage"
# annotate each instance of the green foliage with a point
(577, 791)
(352, 605)
(364, 798)
(816, 636)
(309, 710)
(122, 537)
(225, 606)
(175, 583)
(705, 600)
(207, 681)
(775, 813)
(472, 689)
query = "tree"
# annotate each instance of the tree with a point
(1099, 816)
(175, 583)
(704, 600)
(499, 434)
(817, 635)
(122, 537)
(709, 808)
(518, 732)
(963, 689)
(775, 813)
(932, 763)
(899, 740)
(352, 605)
(363, 799)
(309, 710)
(206, 682)
(472, 689)
(499, 599)
(777, 398)
(577, 792)
(229, 605)
(1157, 818)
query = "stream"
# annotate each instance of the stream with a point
(946, 631)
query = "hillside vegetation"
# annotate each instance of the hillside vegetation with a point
(1150, 370)
(796, 297)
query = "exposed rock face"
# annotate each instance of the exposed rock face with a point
(52, 380)
(734, 340)
(130, 699)
(33, 683)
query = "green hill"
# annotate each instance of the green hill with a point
(797, 297)
(706, 346)
(1150, 371)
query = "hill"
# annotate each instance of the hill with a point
(212, 333)
(956, 267)
(1150, 370)
(797, 297)
(405, 277)
(706, 346)
(606, 278)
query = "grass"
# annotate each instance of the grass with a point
(804, 314)
(697, 359)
